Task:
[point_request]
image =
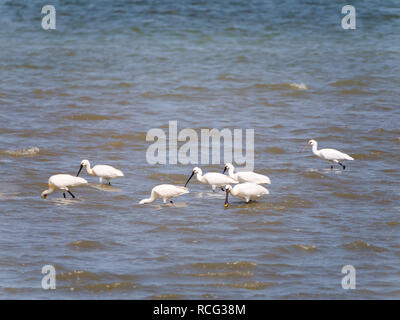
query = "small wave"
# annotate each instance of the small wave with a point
(22, 152)
(275, 150)
(354, 196)
(300, 86)
(225, 265)
(348, 83)
(191, 88)
(106, 287)
(233, 274)
(361, 245)
(78, 275)
(304, 247)
(167, 296)
(277, 86)
(92, 117)
(85, 245)
(250, 285)
(355, 92)
(124, 85)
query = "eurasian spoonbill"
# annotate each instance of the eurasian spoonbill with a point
(331, 155)
(63, 182)
(101, 171)
(165, 192)
(248, 191)
(212, 178)
(246, 176)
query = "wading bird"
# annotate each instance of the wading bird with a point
(165, 192)
(63, 182)
(248, 191)
(212, 178)
(101, 171)
(331, 155)
(246, 176)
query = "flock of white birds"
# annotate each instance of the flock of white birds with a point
(248, 185)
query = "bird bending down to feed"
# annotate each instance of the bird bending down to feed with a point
(248, 191)
(246, 176)
(165, 192)
(331, 155)
(212, 178)
(63, 182)
(101, 171)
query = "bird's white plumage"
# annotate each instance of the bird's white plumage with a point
(102, 171)
(63, 182)
(213, 178)
(331, 155)
(165, 192)
(248, 191)
(246, 176)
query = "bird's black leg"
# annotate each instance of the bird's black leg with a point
(71, 193)
(331, 167)
(64, 195)
(343, 166)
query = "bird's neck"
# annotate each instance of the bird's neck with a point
(315, 150)
(200, 177)
(151, 199)
(89, 170)
(49, 190)
(231, 172)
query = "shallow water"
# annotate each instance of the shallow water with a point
(114, 70)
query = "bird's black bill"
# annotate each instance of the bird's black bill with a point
(224, 170)
(189, 178)
(79, 170)
(226, 198)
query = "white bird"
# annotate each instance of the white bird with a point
(248, 191)
(331, 155)
(101, 171)
(63, 182)
(246, 176)
(212, 178)
(165, 192)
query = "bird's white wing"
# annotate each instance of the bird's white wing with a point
(251, 189)
(250, 176)
(333, 154)
(215, 178)
(169, 190)
(66, 180)
(107, 171)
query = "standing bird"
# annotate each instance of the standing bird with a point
(246, 176)
(212, 178)
(248, 191)
(102, 171)
(331, 155)
(165, 192)
(63, 182)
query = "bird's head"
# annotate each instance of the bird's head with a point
(195, 171)
(312, 142)
(228, 189)
(85, 163)
(228, 166)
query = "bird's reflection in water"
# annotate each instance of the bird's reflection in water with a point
(105, 187)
